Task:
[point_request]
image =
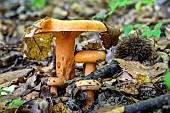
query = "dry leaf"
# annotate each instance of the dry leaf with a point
(93, 46)
(38, 46)
(142, 79)
(136, 68)
(167, 32)
(110, 37)
(125, 77)
(31, 95)
(61, 108)
(130, 89)
(35, 106)
(8, 76)
(117, 110)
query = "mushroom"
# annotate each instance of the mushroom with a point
(89, 57)
(53, 82)
(65, 32)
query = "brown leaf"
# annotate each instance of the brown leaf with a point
(135, 68)
(35, 106)
(93, 46)
(61, 108)
(130, 89)
(117, 110)
(32, 95)
(38, 46)
(8, 76)
(110, 37)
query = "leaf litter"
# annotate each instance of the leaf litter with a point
(134, 83)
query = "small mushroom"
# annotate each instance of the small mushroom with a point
(53, 82)
(89, 57)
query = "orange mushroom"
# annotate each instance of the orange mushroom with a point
(53, 82)
(65, 32)
(89, 57)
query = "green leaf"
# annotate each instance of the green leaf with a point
(156, 33)
(138, 25)
(127, 30)
(113, 4)
(5, 91)
(96, 16)
(17, 102)
(128, 2)
(158, 25)
(146, 28)
(167, 79)
(138, 5)
(147, 34)
(147, 2)
(108, 14)
(39, 3)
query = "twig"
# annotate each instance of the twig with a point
(149, 104)
(112, 70)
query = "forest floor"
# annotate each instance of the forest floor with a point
(133, 78)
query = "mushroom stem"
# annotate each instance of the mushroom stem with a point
(90, 67)
(65, 42)
(90, 98)
(53, 89)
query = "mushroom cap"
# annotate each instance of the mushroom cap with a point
(90, 56)
(54, 81)
(53, 25)
(88, 84)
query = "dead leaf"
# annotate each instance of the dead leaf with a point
(136, 68)
(125, 77)
(61, 108)
(38, 46)
(142, 79)
(110, 37)
(167, 32)
(31, 95)
(8, 76)
(35, 106)
(130, 89)
(117, 110)
(93, 46)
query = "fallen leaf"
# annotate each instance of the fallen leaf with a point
(61, 108)
(8, 76)
(35, 106)
(110, 37)
(130, 89)
(136, 68)
(93, 46)
(117, 110)
(31, 95)
(38, 46)
(142, 79)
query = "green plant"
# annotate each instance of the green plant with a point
(1, 96)
(113, 4)
(146, 30)
(17, 102)
(143, 2)
(167, 79)
(38, 3)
